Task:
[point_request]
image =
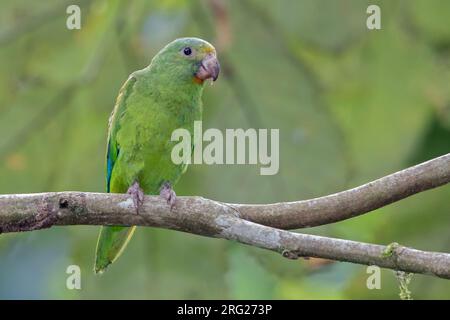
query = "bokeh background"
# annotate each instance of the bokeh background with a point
(351, 104)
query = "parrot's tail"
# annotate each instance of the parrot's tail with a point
(111, 243)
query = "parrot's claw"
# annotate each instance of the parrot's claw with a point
(137, 194)
(168, 194)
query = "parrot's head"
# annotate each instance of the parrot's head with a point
(188, 60)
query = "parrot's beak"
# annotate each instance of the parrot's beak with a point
(209, 68)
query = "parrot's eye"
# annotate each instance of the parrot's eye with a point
(187, 51)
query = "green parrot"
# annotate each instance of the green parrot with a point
(153, 102)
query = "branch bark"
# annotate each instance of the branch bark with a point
(243, 223)
(350, 203)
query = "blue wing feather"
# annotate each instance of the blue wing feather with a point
(109, 166)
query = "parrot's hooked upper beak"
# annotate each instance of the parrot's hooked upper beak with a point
(209, 68)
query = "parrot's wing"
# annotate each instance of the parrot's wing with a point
(112, 240)
(113, 148)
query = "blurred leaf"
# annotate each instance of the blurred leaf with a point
(247, 279)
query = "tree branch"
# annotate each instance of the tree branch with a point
(197, 215)
(353, 202)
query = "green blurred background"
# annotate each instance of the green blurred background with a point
(351, 104)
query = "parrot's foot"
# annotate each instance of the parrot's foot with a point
(168, 194)
(137, 194)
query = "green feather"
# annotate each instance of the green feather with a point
(152, 103)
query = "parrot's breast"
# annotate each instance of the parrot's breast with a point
(146, 147)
